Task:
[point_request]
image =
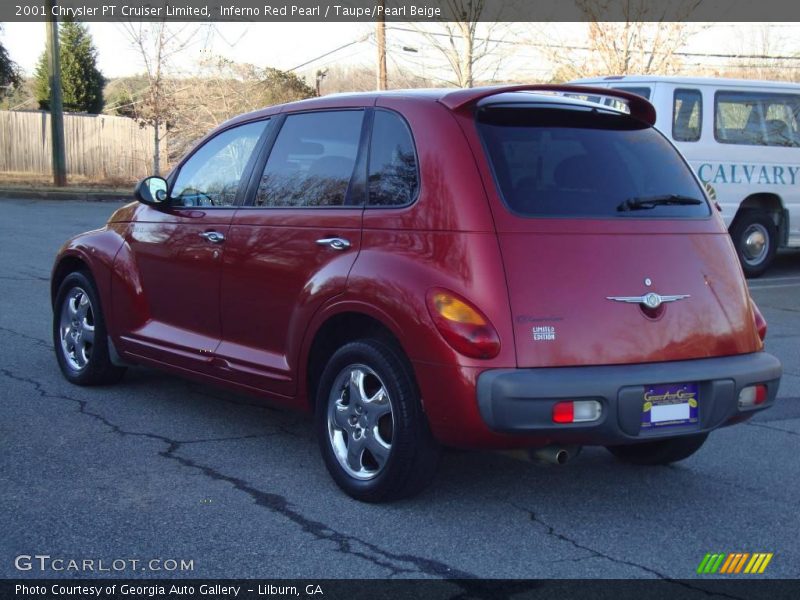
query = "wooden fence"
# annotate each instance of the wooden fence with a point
(98, 146)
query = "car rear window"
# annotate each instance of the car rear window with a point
(551, 161)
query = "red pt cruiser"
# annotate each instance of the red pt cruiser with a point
(506, 267)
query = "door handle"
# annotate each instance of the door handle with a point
(336, 243)
(215, 237)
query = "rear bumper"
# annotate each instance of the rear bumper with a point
(520, 401)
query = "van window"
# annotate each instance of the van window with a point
(687, 115)
(756, 118)
(393, 179)
(312, 161)
(556, 162)
(644, 92)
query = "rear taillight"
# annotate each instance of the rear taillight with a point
(761, 322)
(577, 411)
(752, 396)
(464, 327)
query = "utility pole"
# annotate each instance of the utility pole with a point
(380, 38)
(56, 104)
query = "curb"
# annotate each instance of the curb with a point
(51, 194)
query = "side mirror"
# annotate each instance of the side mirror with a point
(152, 191)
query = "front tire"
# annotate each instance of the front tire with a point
(755, 238)
(80, 337)
(659, 452)
(373, 435)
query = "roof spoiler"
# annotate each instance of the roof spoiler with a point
(640, 108)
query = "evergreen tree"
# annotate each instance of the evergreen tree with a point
(81, 81)
(9, 73)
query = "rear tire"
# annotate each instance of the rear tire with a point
(660, 452)
(80, 336)
(755, 238)
(372, 433)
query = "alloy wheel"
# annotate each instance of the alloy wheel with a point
(76, 328)
(360, 422)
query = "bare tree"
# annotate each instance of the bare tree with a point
(763, 55)
(157, 44)
(355, 78)
(219, 89)
(642, 43)
(470, 46)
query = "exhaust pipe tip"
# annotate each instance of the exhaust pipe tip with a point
(555, 455)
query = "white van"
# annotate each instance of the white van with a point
(742, 138)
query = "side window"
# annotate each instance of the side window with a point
(312, 161)
(687, 115)
(644, 92)
(212, 174)
(393, 178)
(756, 118)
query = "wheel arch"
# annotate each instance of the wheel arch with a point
(335, 328)
(66, 264)
(93, 253)
(770, 203)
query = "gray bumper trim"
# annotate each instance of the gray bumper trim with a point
(521, 400)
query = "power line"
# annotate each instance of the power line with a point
(590, 49)
(321, 56)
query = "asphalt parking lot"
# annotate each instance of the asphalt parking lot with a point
(162, 468)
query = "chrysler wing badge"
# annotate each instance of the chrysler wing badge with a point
(650, 300)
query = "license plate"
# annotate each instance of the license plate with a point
(669, 405)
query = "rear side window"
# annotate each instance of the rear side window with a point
(556, 162)
(756, 118)
(687, 115)
(312, 161)
(393, 178)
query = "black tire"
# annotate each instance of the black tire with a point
(661, 452)
(98, 368)
(413, 454)
(747, 224)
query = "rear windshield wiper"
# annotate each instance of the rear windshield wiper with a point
(644, 202)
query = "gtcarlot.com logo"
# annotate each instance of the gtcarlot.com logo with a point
(45, 562)
(734, 563)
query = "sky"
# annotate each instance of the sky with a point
(264, 44)
(287, 45)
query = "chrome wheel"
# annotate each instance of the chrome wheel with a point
(76, 328)
(755, 244)
(360, 422)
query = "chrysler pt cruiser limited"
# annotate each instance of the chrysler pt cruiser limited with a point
(506, 267)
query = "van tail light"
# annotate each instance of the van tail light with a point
(761, 322)
(462, 325)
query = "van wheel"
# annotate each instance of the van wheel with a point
(661, 452)
(756, 240)
(80, 335)
(373, 435)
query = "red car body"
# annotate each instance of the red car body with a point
(259, 313)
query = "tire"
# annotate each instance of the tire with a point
(755, 238)
(378, 448)
(661, 452)
(80, 337)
